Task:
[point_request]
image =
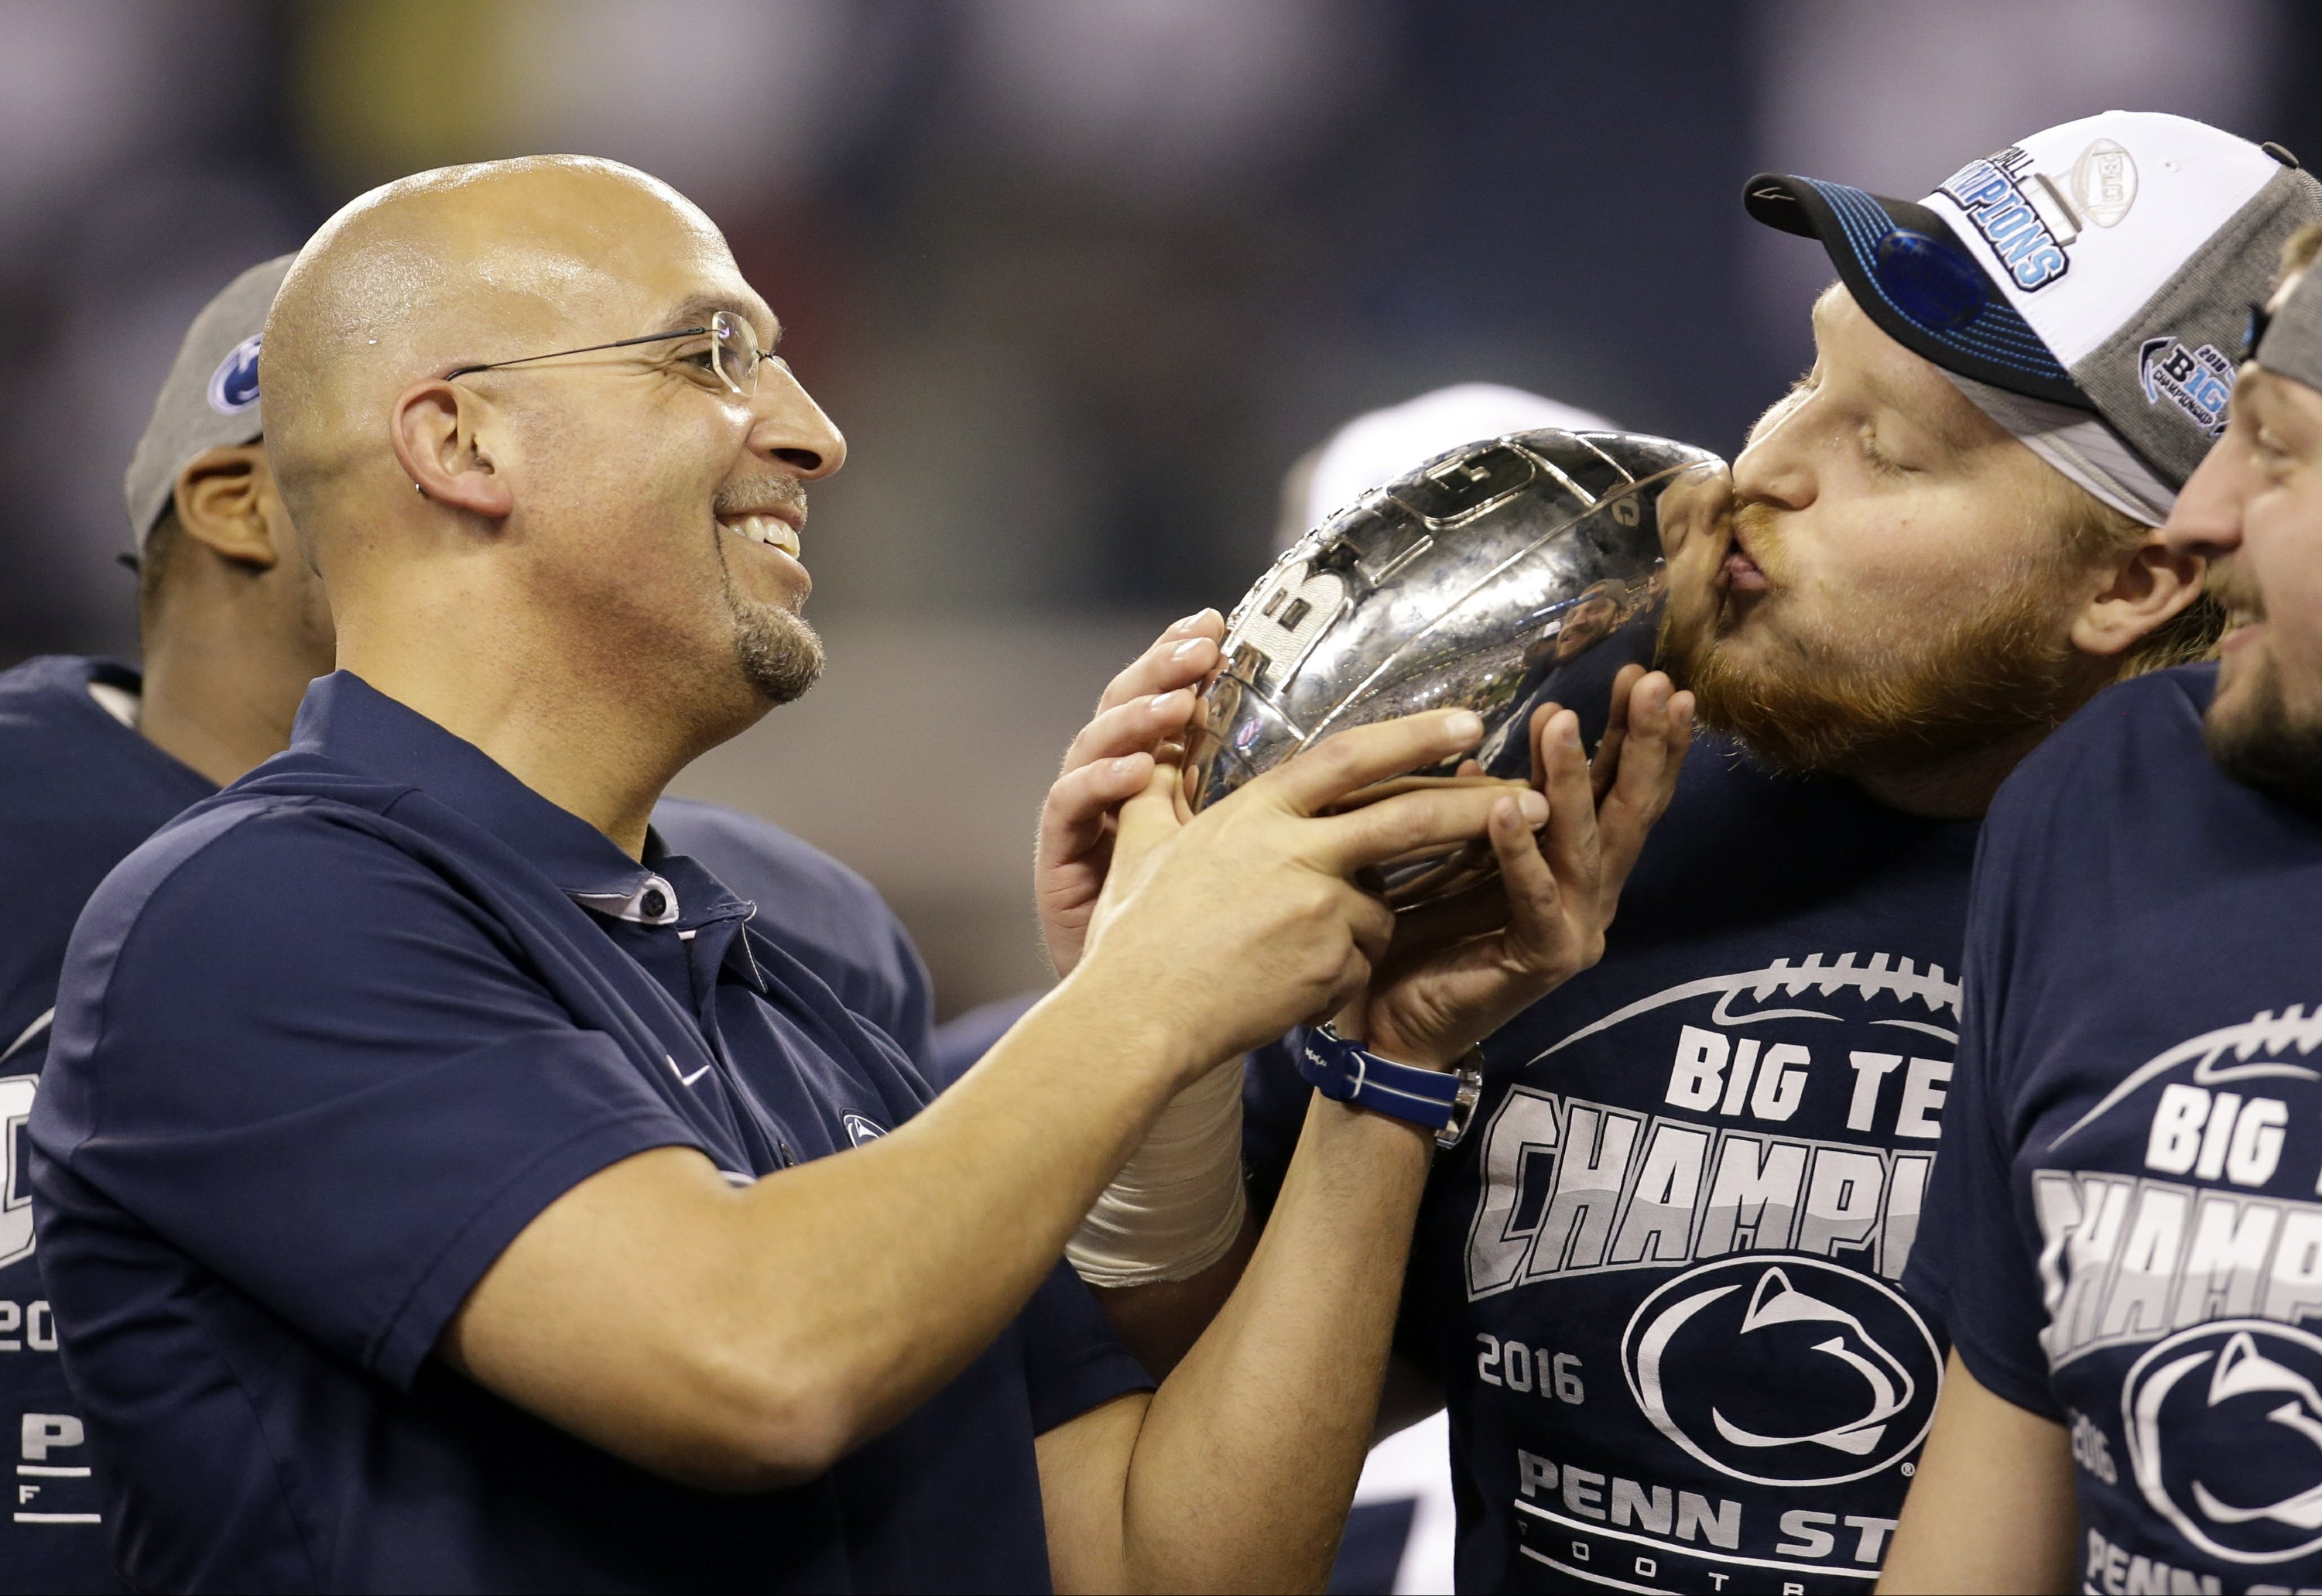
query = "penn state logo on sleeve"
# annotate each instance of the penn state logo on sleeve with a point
(1784, 1371)
(860, 1130)
(234, 386)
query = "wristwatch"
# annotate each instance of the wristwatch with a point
(1441, 1101)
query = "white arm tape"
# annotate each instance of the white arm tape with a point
(1177, 1204)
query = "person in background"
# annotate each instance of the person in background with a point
(1661, 1286)
(95, 756)
(2122, 1230)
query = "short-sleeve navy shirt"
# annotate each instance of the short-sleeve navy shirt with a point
(817, 911)
(79, 789)
(1658, 1280)
(2125, 1226)
(323, 1047)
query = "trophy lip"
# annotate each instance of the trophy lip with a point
(1451, 607)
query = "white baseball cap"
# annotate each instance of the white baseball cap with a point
(2088, 287)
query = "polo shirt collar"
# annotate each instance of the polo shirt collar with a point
(345, 719)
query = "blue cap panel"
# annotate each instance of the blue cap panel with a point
(1947, 307)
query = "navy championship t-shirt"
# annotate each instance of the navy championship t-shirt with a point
(1659, 1279)
(2127, 1224)
(324, 1047)
(80, 790)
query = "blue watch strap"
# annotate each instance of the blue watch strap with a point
(1439, 1100)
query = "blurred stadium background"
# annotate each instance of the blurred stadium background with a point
(1079, 279)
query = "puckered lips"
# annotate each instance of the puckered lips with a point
(1740, 574)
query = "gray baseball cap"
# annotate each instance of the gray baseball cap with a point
(2291, 342)
(209, 400)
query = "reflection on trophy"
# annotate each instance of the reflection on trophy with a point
(1485, 579)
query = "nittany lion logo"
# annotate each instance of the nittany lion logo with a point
(2225, 1437)
(234, 386)
(1784, 1369)
(860, 1130)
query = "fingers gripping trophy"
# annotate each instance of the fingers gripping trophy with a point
(1521, 578)
(1486, 579)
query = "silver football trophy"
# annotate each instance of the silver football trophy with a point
(1483, 579)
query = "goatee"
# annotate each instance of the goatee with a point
(778, 652)
(2262, 744)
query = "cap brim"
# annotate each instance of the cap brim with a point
(1912, 276)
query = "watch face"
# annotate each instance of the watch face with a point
(1480, 581)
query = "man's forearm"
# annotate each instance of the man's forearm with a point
(1160, 1322)
(1247, 1460)
(747, 1338)
(1991, 1508)
(965, 1209)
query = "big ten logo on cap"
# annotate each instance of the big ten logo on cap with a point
(2104, 182)
(2196, 381)
(2027, 237)
(234, 386)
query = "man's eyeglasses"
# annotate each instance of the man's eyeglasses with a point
(730, 351)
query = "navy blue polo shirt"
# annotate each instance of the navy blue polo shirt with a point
(2124, 1226)
(79, 789)
(1659, 1279)
(323, 1047)
(815, 910)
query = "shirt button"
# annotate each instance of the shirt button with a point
(653, 903)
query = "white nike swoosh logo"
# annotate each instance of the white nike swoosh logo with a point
(690, 1080)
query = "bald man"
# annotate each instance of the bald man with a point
(95, 756)
(443, 1187)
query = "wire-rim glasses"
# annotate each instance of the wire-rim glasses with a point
(732, 351)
